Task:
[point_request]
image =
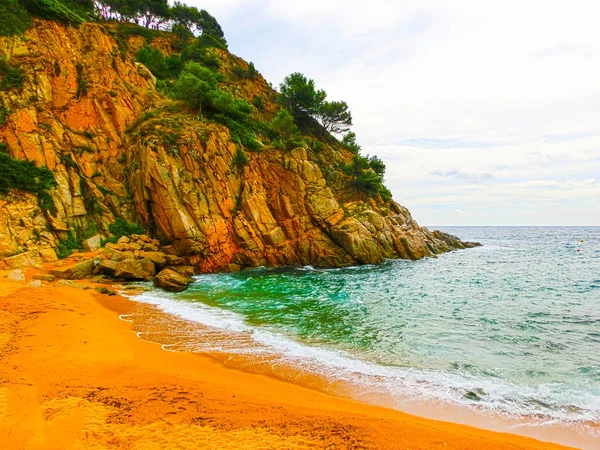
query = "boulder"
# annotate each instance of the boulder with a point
(150, 247)
(43, 277)
(104, 290)
(73, 284)
(113, 254)
(133, 246)
(92, 244)
(123, 240)
(108, 267)
(158, 258)
(145, 238)
(48, 255)
(75, 272)
(131, 269)
(171, 280)
(274, 237)
(173, 260)
(16, 275)
(188, 271)
(27, 259)
(35, 283)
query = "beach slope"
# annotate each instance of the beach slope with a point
(72, 375)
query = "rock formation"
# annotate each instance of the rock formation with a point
(122, 149)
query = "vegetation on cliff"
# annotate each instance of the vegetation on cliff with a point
(172, 131)
(24, 175)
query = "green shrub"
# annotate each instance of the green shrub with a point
(198, 86)
(13, 18)
(240, 159)
(52, 10)
(10, 75)
(241, 132)
(198, 52)
(364, 179)
(349, 143)
(161, 67)
(259, 103)
(208, 41)
(83, 83)
(120, 227)
(249, 73)
(4, 113)
(317, 146)
(24, 175)
(66, 247)
(289, 135)
(377, 165)
(67, 160)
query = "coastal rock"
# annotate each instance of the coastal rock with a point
(48, 254)
(158, 258)
(108, 267)
(172, 280)
(288, 208)
(131, 269)
(75, 272)
(72, 284)
(104, 290)
(92, 244)
(188, 271)
(26, 259)
(16, 275)
(44, 277)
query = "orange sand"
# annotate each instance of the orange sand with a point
(72, 375)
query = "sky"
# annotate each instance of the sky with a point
(485, 112)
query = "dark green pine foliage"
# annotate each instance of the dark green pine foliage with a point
(13, 18)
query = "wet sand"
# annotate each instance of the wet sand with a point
(72, 375)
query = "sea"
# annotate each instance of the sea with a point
(506, 333)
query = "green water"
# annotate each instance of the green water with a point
(511, 327)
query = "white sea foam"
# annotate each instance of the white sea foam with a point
(548, 402)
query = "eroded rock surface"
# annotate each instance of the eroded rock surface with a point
(123, 150)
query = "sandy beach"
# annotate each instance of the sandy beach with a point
(73, 375)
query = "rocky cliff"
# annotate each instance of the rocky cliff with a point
(118, 148)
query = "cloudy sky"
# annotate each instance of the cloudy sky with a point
(485, 112)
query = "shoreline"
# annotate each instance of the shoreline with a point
(74, 375)
(187, 332)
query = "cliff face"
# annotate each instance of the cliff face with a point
(118, 148)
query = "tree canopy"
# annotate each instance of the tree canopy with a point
(335, 117)
(154, 14)
(300, 96)
(158, 14)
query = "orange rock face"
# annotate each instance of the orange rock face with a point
(118, 148)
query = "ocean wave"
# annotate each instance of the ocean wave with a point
(459, 386)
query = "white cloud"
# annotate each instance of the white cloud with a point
(490, 108)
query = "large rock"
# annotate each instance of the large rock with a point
(158, 258)
(48, 255)
(43, 277)
(71, 283)
(283, 209)
(16, 275)
(26, 259)
(108, 267)
(75, 272)
(172, 280)
(92, 244)
(131, 269)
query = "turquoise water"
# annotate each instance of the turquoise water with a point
(512, 327)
